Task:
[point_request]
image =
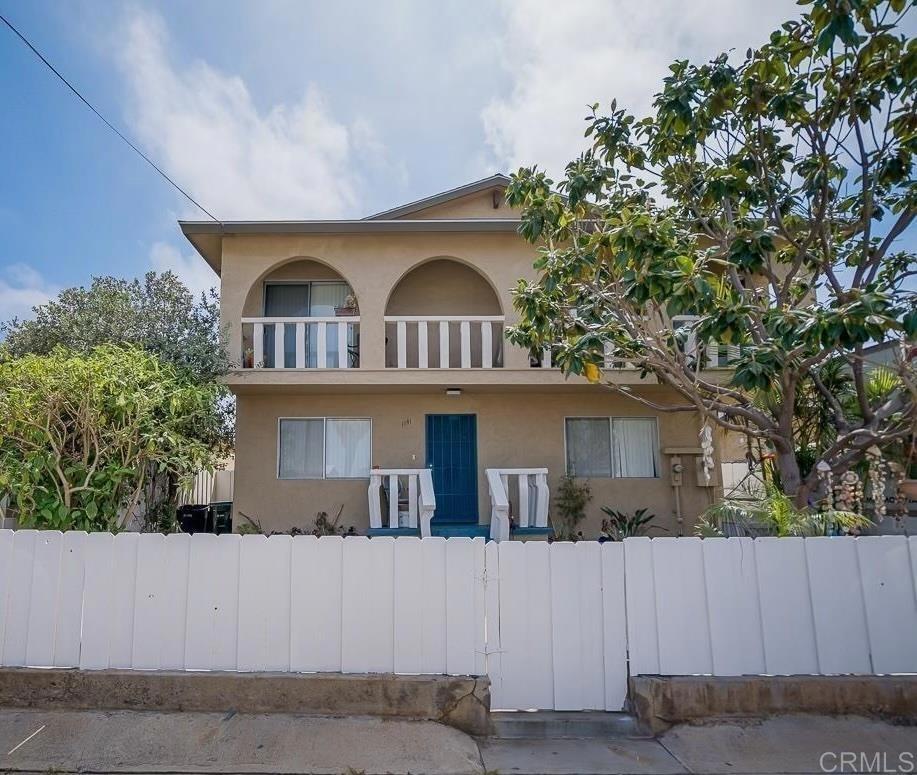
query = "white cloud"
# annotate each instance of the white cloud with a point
(291, 161)
(563, 58)
(193, 271)
(21, 288)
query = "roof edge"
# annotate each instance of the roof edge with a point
(192, 228)
(445, 196)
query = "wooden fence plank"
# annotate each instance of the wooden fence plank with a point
(681, 607)
(315, 620)
(614, 625)
(786, 607)
(493, 643)
(43, 611)
(70, 600)
(264, 620)
(367, 623)
(7, 583)
(432, 608)
(640, 596)
(566, 636)
(124, 584)
(149, 601)
(891, 608)
(97, 601)
(837, 605)
(213, 603)
(174, 590)
(17, 612)
(408, 605)
(525, 623)
(731, 576)
(592, 652)
(480, 608)
(460, 607)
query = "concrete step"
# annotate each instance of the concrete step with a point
(553, 724)
(460, 530)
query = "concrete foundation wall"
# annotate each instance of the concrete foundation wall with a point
(461, 702)
(662, 701)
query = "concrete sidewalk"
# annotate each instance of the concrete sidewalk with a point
(176, 742)
(181, 742)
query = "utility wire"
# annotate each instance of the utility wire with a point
(107, 123)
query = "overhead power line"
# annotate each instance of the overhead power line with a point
(107, 123)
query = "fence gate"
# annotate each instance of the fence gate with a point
(556, 632)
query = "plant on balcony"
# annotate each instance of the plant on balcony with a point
(765, 200)
(570, 504)
(349, 308)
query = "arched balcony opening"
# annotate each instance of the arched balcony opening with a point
(443, 314)
(302, 315)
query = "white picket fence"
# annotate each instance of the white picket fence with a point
(554, 625)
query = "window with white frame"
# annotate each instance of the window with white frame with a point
(620, 447)
(324, 448)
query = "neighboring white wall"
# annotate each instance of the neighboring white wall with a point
(554, 625)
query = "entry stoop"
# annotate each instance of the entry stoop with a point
(555, 724)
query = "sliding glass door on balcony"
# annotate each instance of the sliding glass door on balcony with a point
(306, 300)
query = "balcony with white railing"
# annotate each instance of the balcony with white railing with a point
(444, 342)
(529, 506)
(405, 495)
(300, 343)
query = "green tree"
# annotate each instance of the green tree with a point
(83, 435)
(764, 198)
(157, 313)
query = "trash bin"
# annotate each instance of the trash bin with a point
(221, 517)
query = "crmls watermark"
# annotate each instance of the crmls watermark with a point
(863, 762)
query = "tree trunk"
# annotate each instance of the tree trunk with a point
(790, 478)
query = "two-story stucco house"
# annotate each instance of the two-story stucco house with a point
(373, 376)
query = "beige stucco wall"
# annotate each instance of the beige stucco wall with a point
(373, 264)
(514, 430)
(479, 205)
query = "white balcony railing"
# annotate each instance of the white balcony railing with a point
(716, 356)
(532, 499)
(411, 501)
(301, 343)
(444, 342)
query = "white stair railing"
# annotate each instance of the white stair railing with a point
(533, 498)
(316, 330)
(421, 501)
(476, 338)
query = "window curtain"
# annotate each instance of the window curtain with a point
(588, 447)
(301, 449)
(348, 448)
(634, 446)
(327, 296)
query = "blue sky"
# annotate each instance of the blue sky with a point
(290, 109)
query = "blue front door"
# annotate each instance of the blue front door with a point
(452, 454)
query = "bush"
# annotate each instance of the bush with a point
(82, 434)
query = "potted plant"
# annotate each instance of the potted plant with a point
(348, 308)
